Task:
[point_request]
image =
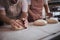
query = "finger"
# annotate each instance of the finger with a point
(19, 22)
(25, 23)
(15, 27)
(16, 24)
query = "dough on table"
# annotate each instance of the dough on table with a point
(52, 20)
(40, 22)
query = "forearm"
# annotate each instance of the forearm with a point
(4, 17)
(46, 8)
(48, 13)
(24, 9)
(31, 13)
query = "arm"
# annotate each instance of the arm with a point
(46, 6)
(24, 9)
(30, 11)
(14, 23)
(48, 13)
(4, 17)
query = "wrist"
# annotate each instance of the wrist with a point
(24, 15)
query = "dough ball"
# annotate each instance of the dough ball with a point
(40, 22)
(52, 20)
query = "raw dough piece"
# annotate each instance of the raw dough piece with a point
(40, 22)
(52, 20)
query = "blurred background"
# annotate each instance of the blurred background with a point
(54, 6)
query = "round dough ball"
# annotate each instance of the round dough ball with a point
(52, 20)
(40, 22)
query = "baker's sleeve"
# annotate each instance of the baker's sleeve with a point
(45, 1)
(24, 6)
(29, 2)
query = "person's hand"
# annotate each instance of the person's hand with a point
(16, 24)
(25, 22)
(49, 14)
(24, 19)
(37, 16)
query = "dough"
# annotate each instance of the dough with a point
(40, 22)
(52, 20)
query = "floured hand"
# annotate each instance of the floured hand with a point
(17, 24)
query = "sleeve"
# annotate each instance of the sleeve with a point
(45, 1)
(29, 2)
(24, 6)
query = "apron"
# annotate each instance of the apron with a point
(36, 8)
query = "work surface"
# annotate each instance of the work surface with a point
(31, 33)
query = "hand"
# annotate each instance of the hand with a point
(49, 14)
(25, 22)
(23, 18)
(37, 16)
(16, 24)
